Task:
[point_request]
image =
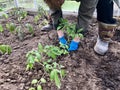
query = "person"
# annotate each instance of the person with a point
(106, 22)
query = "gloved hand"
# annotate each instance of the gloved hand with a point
(73, 46)
(63, 40)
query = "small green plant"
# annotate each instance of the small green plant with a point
(36, 18)
(20, 13)
(1, 9)
(5, 49)
(19, 33)
(37, 82)
(69, 28)
(4, 15)
(32, 57)
(30, 28)
(16, 30)
(46, 57)
(1, 28)
(44, 22)
(11, 27)
(55, 72)
(53, 51)
(41, 11)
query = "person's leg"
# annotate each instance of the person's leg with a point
(105, 11)
(54, 20)
(85, 14)
(107, 25)
(55, 14)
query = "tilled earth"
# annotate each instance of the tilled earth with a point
(85, 69)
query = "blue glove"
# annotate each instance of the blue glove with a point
(63, 40)
(73, 46)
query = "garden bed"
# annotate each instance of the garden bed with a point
(85, 70)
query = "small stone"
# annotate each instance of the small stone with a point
(1, 81)
(21, 86)
(13, 81)
(7, 74)
(8, 80)
(108, 89)
(6, 61)
(118, 77)
(23, 80)
(26, 88)
(30, 73)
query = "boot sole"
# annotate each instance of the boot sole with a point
(98, 51)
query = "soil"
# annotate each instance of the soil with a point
(85, 69)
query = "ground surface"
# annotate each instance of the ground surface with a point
(85, 69)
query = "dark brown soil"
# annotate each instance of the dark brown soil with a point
(85, 69)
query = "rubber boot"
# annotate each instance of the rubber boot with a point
(54, 20)
(49, 26)
(105, 33)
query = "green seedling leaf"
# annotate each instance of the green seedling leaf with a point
(40, 47)
(32, 57)
(21, 14)
(53, 51)
(30, 28)
(61, 66)
(37, 55)
(11, 27)
(5, 16)
(19, 19)
(63, 46)
(59, 27)
(62, 73)
(44, 22)
(45, 63)
(1, 9)
(50, 60)
(29, 66)
(52, 55)
(32, 88)
(37, 17)
(54, 76)
(34, 81)
(43, 80)
(5, 49)
(39, 87)
(41, 10)
(48, 67)
(20, 33)
(81, 36)
(1, 28)
(57, 80)
(55, 65)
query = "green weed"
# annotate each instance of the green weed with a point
(1, 28)
(5, 49)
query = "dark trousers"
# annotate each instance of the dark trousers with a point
(105, 11)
